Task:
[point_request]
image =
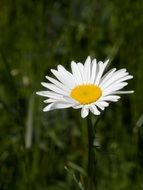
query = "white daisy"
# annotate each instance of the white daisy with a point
(85, 87)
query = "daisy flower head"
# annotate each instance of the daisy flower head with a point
(85, 87)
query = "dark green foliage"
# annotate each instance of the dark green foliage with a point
(35, 146)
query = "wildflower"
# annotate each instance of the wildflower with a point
(86, 87)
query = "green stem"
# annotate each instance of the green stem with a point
(91, 182)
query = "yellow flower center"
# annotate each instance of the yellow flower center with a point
(86, 94)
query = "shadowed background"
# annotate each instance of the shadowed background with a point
(37, 35)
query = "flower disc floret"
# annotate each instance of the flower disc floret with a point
(86, 94)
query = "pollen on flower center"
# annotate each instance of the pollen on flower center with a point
(86, 94)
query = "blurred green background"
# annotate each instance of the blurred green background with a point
(37, 35)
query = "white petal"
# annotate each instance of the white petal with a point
(94, 110)
(112, 98)
(54, 88)
(114, 88)
(49, 100)
(66, 74)
(48, 108)
(76, 72)
(49, 94)
(107, 76)
(125, 92)
(102, 67)
(81, 70)
(84, 112)
(58, 84)
(118, 81)
(116, 85)
(67, 80)
(116, 76)
(57, 105)
(112, 75)
(124, 78)
(70, 100)
(94, 71)
(77, 106)
(102, 104)
(87, 70)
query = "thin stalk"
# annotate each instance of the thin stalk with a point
(91, 170)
